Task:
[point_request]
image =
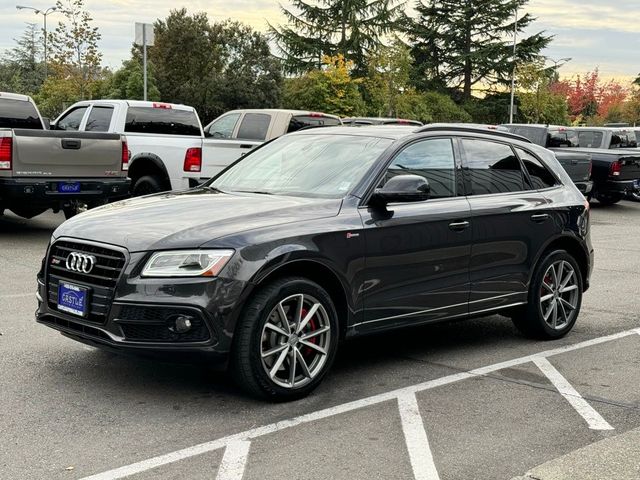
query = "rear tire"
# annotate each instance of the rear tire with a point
(555, 298)
(147, 185)
(275, 333)
(609, 198)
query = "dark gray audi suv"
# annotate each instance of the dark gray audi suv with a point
(323, 235)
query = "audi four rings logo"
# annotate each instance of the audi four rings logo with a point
(80, 262)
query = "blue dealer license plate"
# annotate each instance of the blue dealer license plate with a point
(73, 187)
(73, 299)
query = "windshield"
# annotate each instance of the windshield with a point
(326, 166)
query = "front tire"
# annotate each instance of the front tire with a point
(285, 340)
(555, 298)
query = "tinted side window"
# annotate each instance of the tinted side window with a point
(432, 159)
(18, 114)
(99, 119)
(562, 138)
(165, 121)
(492, 167)
(223, 127)
(590, 139)
(307, 121)
(540, 176)
(72, 120)
(623, 139)
(254, 126)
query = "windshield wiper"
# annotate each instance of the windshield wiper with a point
(257, 192)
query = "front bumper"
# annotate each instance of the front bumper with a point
(141, 317)
(44, 191)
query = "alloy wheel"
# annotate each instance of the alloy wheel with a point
(559, 295)
(295, 341)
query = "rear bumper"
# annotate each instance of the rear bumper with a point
(585, 187)
(44, 191)
(616, 186)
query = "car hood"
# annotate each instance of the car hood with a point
(191, 218)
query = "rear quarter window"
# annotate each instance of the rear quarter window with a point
(19, 114)
(298, 122)
(254, 126)
(162, 121)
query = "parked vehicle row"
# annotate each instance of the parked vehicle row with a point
(42, 169)
(615, 171)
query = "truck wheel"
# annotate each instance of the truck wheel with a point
(609, 198)
(147, 185)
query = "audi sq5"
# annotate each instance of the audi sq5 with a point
(320, 236)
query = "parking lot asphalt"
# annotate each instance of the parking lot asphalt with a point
(462, 400)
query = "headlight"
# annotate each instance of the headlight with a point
(187, 263)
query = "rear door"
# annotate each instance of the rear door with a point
(232, 136)
(417, 264)
(510, 223)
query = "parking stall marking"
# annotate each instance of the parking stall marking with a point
(234, 460)
(416, 438)
(586, 411)
(158, 461)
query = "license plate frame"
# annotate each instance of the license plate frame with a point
(68, 187)
(73, 299)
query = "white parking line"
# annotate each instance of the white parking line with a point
(168, 458)
(586, 411)
(234, 461)
(416, 437)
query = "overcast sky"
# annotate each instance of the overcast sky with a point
(593, 33)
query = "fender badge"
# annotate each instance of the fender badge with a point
(352, 235)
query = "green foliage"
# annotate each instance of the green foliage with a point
(538, 103)
(55, 95)
(22, 71)
(215, 67)
(128, 81)
(430, 107)
(465, 44)
(318, 28)
(330, 90)
(389, 69)
(492, 109)
(74, 47)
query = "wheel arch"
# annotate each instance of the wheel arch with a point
(148, 164)
(318, 272)
(573, 246)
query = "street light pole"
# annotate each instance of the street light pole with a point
(44, 14)
(513, 73)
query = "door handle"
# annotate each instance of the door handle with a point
(459, 226)
(539, 218)
(246, 146)
(69, 144)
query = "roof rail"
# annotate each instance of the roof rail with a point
(462, 127)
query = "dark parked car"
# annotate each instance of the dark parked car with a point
(323, 235)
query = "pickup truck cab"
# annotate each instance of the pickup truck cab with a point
(162, 137)
(235, 133)
(606, 138)
(42, 169)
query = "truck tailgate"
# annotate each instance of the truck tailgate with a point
(48, 153)
(219, 154)
(630, 167)
(577, 165)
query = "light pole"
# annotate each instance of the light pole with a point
(513, 73)
(44, 14)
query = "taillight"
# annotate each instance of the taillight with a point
(6, 152)
(126, 156)
(615, 168)
(193, 160)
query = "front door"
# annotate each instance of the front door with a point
(417, 254)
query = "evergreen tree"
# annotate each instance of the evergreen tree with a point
(319, 28)
(22, 71)
(464, 43)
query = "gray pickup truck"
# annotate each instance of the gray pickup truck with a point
(615, 172)
(42, 169)
(606, 138)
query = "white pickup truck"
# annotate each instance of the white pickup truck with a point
(164, 139)
(234, 134)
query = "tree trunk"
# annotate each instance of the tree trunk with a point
(466, 93)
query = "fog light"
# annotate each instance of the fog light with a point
(182, 324)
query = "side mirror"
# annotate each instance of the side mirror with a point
(402, 188)
(47, 123)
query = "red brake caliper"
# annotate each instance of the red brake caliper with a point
(312, 326)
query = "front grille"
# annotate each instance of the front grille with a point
(101, 280)
(152, 324)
